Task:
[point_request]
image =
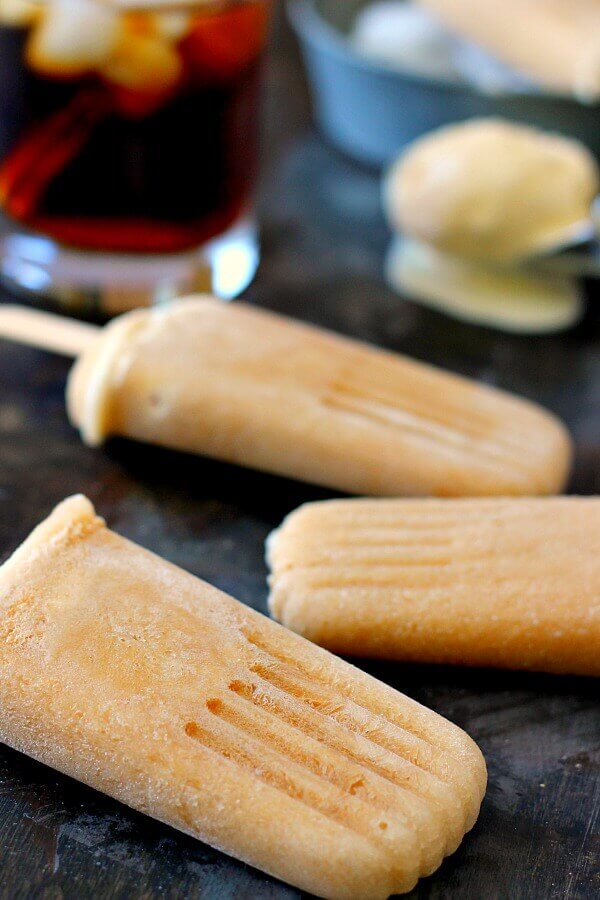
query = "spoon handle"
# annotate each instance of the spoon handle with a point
(583, 263)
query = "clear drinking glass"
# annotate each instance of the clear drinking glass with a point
(128, 147)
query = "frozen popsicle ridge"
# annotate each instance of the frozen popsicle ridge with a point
(322, 689)
(485, 446)
(463, 429)
(251, 726)
(371, 771)
(501, 582)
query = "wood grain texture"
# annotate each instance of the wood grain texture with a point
(324, 242)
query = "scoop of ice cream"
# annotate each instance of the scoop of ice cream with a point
(508, 298)
(491, 189)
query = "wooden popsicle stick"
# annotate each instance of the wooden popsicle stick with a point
(46, 331)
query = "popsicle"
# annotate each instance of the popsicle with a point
(144, 682)
(252, 388)
(513, 583)
(555, 42)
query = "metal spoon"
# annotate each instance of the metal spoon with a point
(579, 255)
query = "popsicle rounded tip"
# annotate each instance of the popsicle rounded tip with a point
(71, 511)
(277, 598)
(73, 514)
(75, 503)
(472, 758)
(559, 453)
(271, 546)
(92, 379)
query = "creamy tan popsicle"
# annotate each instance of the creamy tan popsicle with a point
(555, 42)
(138, 679)
(243, 385)
(513, 583)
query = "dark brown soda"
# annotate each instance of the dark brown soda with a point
(96, 166)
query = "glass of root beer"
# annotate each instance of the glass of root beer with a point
(128, 148)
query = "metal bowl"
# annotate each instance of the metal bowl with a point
(370, 110)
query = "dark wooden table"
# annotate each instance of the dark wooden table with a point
(324, 240)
